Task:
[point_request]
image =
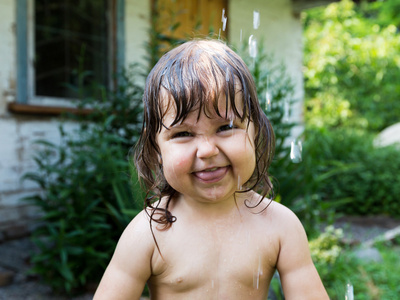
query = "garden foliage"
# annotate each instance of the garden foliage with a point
(351, 79)
(271, 76)
(338, 266)
(351, 67)
(88, 195)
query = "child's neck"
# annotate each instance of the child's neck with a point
(213, 210)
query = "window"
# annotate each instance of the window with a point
(59, 39)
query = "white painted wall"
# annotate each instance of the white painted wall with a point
(7, 53)
(279, 28)
(137, 25)
(16, 151)
(17, 132)
(281, 31)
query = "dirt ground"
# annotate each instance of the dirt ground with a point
(14, 258)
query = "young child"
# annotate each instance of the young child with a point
(208, 230)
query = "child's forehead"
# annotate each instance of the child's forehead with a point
(216, 107)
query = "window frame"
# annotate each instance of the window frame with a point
(26, 101)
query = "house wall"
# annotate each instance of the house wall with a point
(18, 132)
(281, 32)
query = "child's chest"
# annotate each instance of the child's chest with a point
(216, 259)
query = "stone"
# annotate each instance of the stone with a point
(6, 277)
(16, 231)
(389, 136)
(388, 236)
(369, 255)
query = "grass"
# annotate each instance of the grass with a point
(371, 280)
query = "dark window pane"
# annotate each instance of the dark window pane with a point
(70, 36)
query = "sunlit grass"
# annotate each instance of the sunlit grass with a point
(371, 280)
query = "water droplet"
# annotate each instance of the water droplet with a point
(212, 283)
(241, 35)
(268, 99)
(256, 19)
(286, 111)
(295, 152)
(349, 292)
(239, 186)
(256, 280)
(257, 274)
(227, 75)
(252, 46)
(223, 20)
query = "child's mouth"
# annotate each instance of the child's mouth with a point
(211, 175)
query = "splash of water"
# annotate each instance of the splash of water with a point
(257, 274)
(268, 99)
(227, 75)
(224, 19)
(295, 151)
(256, 19)
(286, 111)
(349, 292)
(241, 35)
(239, 186)
(253, 46)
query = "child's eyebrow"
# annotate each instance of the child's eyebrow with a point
(177, 126)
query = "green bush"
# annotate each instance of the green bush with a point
(325, 249)
(295, 185)
(357, 177)
(351, 75)
(338, 266)
(370, 279)
(88, 195)
(351, 65)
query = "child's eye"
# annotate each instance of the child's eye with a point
(226, 127)
(181, 134)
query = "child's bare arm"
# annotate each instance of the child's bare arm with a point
(300, 279)
(129, 269)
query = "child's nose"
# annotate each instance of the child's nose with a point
(206, 148)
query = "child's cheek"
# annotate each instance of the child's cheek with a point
(181, 162)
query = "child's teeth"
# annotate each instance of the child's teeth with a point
(210, 170)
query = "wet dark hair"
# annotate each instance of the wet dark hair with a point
(194, 75)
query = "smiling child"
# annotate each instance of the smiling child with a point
(209, 230)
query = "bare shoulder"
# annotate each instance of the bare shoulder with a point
(136, 238)
(130, 266)
(299, 277)
(283, 216)
(287, 225)
(277, 215)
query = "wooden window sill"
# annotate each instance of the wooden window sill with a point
(26, 109)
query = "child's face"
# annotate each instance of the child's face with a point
(207, 158)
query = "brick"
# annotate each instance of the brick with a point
(6, 277)
(30, 212)
(8, 214)
(13, 199)
(16, 231)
